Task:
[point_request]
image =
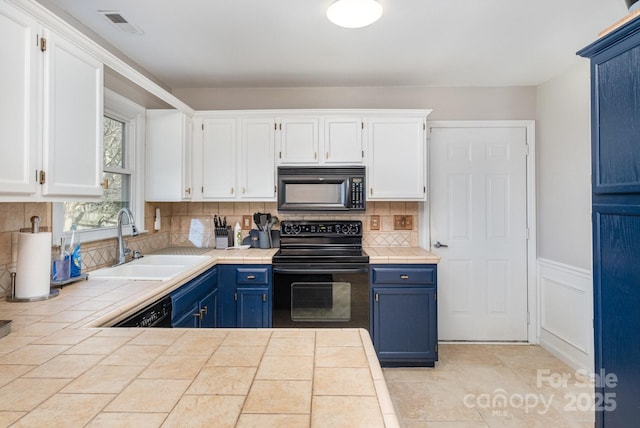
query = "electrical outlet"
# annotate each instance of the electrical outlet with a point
(374, 222)
(402, 222)
(246, 222)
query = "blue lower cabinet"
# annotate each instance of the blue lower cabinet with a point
(187, 318)
(404, 314)
(253, 307)
(208, 309)
(245, 296)
(195, 304)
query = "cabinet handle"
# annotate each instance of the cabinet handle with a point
(326, 155)
(188, 190)
(371, 191)
(199, 315)
(244, 190)
(251, 277)
(232, 190)
(377, 297)
(315, 155)
(404, 276)
(204, 310)
(264, 297)
(235, 296)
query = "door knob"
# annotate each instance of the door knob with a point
(437, 244)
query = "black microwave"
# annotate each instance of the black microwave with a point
(321, 188)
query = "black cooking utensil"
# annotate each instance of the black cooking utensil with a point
(256, 220)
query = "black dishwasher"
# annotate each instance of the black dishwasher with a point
(157, 314)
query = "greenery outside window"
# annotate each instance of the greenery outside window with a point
(122, 174)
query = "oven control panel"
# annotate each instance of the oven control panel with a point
(332, 228)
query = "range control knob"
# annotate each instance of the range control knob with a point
(286, 228)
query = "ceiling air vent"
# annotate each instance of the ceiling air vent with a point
(119, 21)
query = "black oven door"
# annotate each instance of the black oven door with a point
(321, 296)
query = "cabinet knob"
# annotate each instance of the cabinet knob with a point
(404, 276)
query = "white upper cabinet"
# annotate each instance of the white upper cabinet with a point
(299, 140)
(219, 159)
(343, 140)
(238, 158)
(73, 120)
(18, 103)
(55, 155)
(257, 159)
(397, 158)
(320, 140)
(168, 156)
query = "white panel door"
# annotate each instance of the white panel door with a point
(478, 200)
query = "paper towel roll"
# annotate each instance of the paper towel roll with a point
(33, 266)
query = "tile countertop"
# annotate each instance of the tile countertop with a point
(383, 255)
(57, 368)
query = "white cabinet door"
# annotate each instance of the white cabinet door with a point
(397, 158)
(298, 140)
(18, 85)
(343, 140)
(168, 156)
(257, 159)
(219, 159)
(73, 116)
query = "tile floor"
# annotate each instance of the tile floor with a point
(480, 386)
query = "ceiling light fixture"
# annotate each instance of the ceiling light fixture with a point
(354, 13)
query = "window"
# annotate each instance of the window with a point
(122, 174)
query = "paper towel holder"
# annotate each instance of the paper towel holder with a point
(12, 297)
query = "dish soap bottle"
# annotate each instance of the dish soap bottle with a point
(237, 233)
(74, 251)
(61, 262)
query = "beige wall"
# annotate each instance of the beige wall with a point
(564, 168)
(495, 103)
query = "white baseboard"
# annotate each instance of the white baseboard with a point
(565, 303)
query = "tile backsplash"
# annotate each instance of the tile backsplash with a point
(190, 224)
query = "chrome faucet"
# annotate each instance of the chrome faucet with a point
(122, 251)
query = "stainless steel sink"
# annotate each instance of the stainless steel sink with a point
(151, 268)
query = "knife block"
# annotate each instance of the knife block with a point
(223, 237)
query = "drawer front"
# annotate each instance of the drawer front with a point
(260, 275)
(410, 274)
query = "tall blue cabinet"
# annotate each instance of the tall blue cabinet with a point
(615, 145)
